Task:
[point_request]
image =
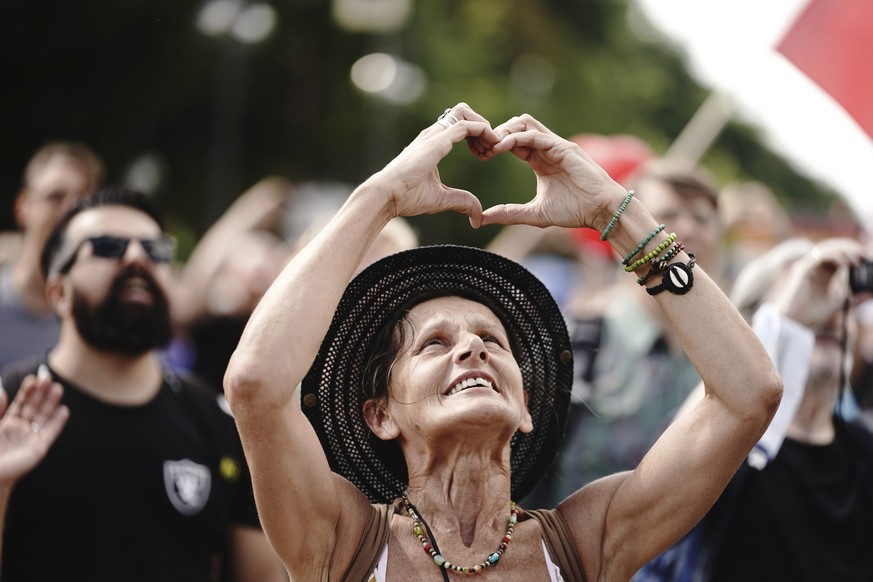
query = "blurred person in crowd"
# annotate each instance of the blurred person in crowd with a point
(753, 221)
(801, 506)
(632, 373)
(147, 481)
(56, 176)
(397, 236)
(224, 278)
(232, 292)
(861, 376)
(233, 265)
(10, 246)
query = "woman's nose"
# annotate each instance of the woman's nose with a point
(471, 347)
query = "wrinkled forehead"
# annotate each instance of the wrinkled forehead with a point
(112, 220)
(453, 308)
(448, 311)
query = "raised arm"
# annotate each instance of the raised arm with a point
(257, 207)
(306, 509)
(622, 521)
(27, 430)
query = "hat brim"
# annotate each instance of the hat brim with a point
(332, 396)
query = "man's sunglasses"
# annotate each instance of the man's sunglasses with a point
(159, 250)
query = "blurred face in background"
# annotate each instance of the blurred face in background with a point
(48, 194)
(692, 216)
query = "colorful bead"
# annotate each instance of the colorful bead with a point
(651, 254)
(659, 264)
(627, 199)
(642, 245)
(440, 561)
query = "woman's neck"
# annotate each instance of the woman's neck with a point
(462, 495)
(813, 423)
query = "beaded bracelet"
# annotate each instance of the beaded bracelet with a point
(642, 245)
(660, 263)
(608, 229)
(651, 254)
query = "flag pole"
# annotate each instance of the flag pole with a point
(701, 130)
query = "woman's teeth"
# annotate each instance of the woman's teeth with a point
(469, 382)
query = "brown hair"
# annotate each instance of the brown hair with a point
(88, 162)
(687, 182)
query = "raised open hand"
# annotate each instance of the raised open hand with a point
(572, 190)
(30, 426)
(412, 179)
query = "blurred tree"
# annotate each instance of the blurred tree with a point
(136, 78)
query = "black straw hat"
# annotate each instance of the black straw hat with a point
(333, 395)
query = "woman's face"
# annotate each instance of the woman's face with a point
(455, 368)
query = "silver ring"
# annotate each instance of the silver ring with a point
(445, 117)
(35, 427)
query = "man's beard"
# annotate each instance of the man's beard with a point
(121, 327)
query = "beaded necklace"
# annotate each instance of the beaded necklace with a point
(440, 561)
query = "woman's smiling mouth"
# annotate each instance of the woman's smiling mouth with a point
(471, 382)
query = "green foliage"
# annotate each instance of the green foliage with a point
(131, 78)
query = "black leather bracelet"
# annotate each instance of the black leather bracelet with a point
(677, 278)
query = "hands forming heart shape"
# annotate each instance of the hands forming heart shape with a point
(572, 191)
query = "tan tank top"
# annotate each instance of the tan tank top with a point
(556, 534)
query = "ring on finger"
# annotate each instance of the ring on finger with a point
(445, 118)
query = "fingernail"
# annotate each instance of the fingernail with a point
(43, 372)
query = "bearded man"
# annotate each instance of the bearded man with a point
(147, 481)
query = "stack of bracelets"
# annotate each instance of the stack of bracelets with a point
(675, 277)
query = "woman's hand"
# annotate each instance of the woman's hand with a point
(412, 180)
(30, 426)
(572, 190)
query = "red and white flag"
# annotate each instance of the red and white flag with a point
(832, 43)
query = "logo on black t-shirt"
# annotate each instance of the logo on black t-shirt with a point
(188, 485)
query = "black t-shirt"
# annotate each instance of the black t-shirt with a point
(807, 516)
(131, 493)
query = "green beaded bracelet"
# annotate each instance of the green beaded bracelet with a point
(608, 229)
(642, 245)
(660, 263)
(651, 254)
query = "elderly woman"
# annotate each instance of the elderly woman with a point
(439, 381)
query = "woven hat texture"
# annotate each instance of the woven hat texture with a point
(332, 396)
